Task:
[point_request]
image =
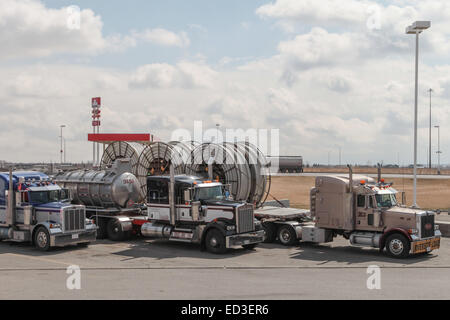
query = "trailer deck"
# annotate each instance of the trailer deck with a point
(282, 214)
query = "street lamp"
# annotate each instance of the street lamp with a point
(439, 152)
(61, 136)
(416, 28)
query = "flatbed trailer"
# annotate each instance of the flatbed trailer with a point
(283, 224)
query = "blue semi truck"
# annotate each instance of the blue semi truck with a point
(33, 209)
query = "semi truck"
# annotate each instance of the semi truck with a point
(111, 197)
(362, 210)
(191, 209)
(32, 210)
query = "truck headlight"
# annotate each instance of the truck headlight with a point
(229, 228)
(436, 227)
(413, 231)
(55, 226)
(89, 221)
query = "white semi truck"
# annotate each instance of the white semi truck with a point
(31, 210)
(362, 210)
(191, 209)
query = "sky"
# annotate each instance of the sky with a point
(327, 74)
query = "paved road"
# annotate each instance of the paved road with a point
(148, 269)
(384, 175)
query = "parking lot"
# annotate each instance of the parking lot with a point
(155, 269)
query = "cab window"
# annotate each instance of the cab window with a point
(157, 191)
(361, 201)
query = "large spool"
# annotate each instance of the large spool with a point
(229, 166)
(260, 175)
(184, 150)
(155, 159)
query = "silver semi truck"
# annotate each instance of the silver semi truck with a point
(32, 210)
(362, 210)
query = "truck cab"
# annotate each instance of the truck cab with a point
(32, 209)
(203, 212)
(368, 213)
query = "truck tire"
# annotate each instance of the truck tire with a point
(114, 230)
(270, 231)
(42, 239)
(287, 235)
(215, 242)
(397, 246)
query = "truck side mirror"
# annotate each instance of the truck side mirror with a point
(187, 195)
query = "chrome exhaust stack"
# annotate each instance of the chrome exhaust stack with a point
(350, 178)
(10, 216)
(172, 196)
(378, 172)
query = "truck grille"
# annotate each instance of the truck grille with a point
(427, 226)
(74, 219)
(245, 219)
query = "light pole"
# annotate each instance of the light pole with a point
(61, 136)
(439, 151)
(429, 135)
(416, 28)
(217, 132)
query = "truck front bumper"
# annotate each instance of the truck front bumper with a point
(426, 245)
(60, 240)
(241, 239)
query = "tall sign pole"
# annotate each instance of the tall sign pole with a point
(96, 104)
(429, 134)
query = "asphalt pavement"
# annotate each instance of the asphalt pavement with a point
(157, 269)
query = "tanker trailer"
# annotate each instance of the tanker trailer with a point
(287, 164)
(111, 197)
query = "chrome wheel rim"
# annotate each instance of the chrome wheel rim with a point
(285, 236)
(213, 242)
(42, 239)
(396, 246)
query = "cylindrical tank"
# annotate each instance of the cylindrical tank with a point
(106, 188)
(287, 163)
(125, 150)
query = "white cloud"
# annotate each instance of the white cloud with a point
(29, 29)
(163, 37)
(312, 11)
(162, 75)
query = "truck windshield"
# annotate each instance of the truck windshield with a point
(45, 196)
(209, 193)
(386, 200)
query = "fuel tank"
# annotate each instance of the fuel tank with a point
(112, 187)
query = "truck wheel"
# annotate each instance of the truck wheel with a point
(42, 239)
(270, 232)
(215, 241)
(397, 246)
(114, 230)
(287, 235)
